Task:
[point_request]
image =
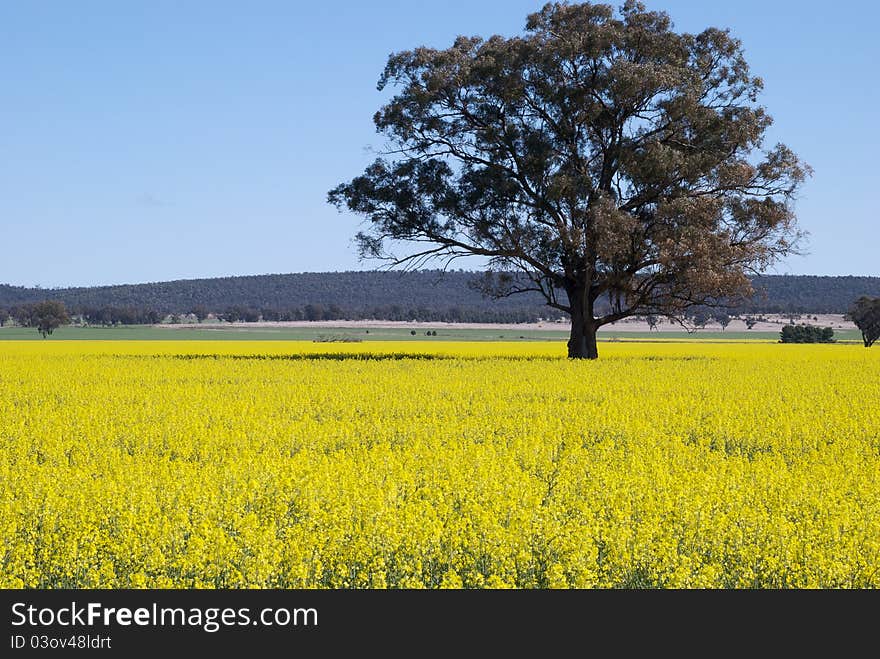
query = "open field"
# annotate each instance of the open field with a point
(387, 331)
(769, 323)
(438, 463)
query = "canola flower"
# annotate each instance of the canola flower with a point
(430, 465)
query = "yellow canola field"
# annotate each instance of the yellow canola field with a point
(409, 465)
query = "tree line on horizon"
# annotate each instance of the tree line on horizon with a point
(49, 314)
(425, 295)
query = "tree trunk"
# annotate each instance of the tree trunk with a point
(582, 344)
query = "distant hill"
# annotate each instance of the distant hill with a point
(420, 295)
(808, 293)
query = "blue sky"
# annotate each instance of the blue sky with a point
(148, 141)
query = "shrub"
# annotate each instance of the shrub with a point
(806, 334)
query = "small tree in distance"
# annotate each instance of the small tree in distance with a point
(722, 318)
(699, 318)
(865, 313)
(48, 316)
(200, 311)
(602, 159)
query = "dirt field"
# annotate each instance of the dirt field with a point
(773, 324)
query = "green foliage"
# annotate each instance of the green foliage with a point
(699, 317)
(806, 334)
(865, 313)
(721, 317)
(48, 316)
(200, 311)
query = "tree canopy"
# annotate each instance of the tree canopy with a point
(806, 334)
(48, 316)
(599, 155)
(865, 313)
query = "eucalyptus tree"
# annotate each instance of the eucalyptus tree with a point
(865, 313)
(601, 158)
